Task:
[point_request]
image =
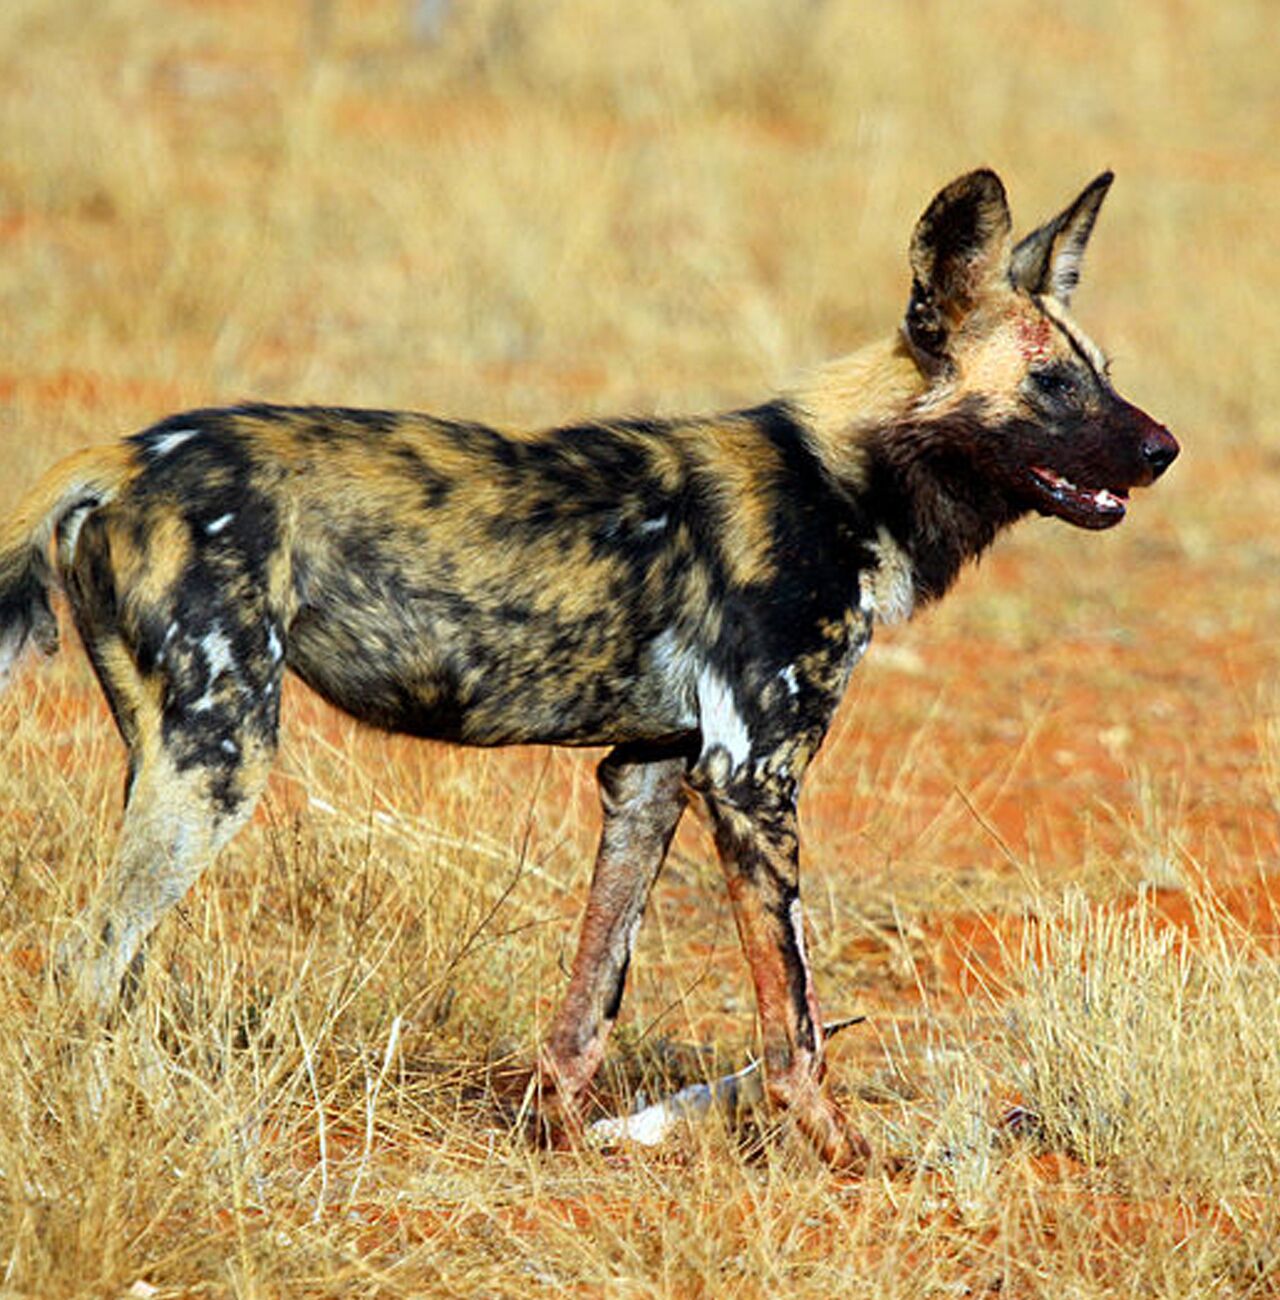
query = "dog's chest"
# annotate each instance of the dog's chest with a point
(750, 707)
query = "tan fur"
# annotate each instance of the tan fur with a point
(92, 471)
(869, 389)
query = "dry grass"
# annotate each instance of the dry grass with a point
(1138, 1051)
(560, 209)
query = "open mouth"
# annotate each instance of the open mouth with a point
(1084, 507)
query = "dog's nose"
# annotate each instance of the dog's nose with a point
(1159, 450)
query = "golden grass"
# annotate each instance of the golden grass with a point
(573, 208)
(1137, 1051)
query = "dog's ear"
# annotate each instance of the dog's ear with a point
(1048, 260)
(959, 251)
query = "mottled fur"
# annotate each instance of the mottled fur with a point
(693, 593)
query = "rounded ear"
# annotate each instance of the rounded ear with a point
(1048, 260)
(959, 252)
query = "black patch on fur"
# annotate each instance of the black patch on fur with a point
(794, 960)
(25, 611)
(614, 1003)
(931, 484)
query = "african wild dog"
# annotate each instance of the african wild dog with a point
(693, 593)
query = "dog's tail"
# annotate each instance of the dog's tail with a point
(81, 482)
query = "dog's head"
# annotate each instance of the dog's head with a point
(989, 324)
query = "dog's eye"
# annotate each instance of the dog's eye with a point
(1054, 383)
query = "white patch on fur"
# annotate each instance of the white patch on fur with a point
(889, 586)
(789, 679)
(273, 645)
(216, 649)
(219, 523)
(229, 747)
(669, 656)
(797, 930)
(170, 633)
(653, 525)
(69, 533)
(218, 659)
(675, 664)
(722, 724)
(167, 442)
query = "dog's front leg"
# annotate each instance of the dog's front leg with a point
(642, 792)
(758, 842)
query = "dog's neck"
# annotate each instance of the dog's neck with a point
(906, 459)
(845, 400)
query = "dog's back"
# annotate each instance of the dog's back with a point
(453, 581)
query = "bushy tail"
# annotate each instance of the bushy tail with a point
(83, 481)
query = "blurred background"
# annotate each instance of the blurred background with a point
(527, 209)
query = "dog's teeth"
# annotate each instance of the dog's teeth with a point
(1099, 498)
(1055, 480)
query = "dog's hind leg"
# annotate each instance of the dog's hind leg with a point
(194, 684)
(174, 824)
(642, 792)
